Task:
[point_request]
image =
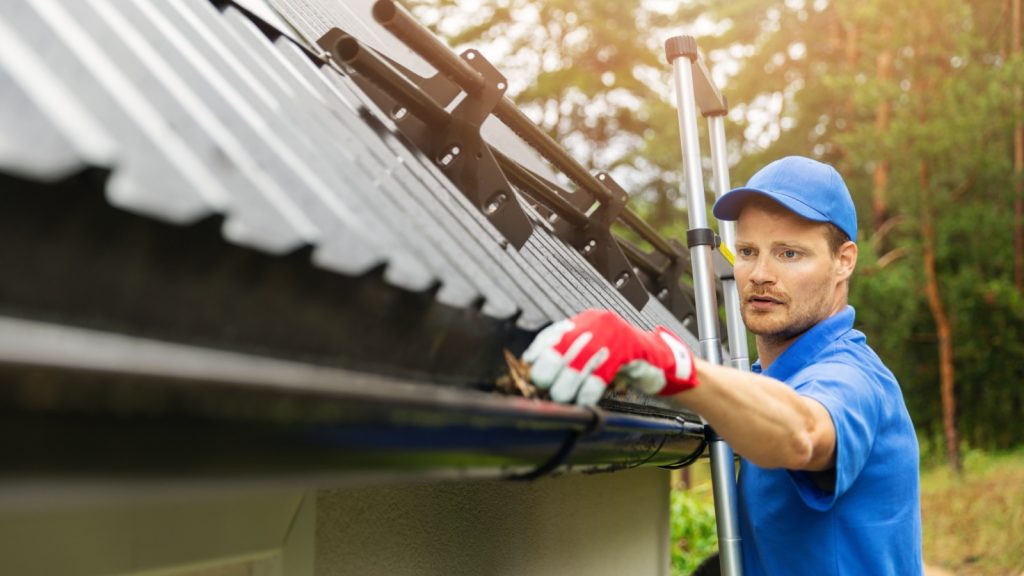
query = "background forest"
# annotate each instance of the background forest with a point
(917, 103)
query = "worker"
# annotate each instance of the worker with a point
(828, 481)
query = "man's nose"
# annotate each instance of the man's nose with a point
(762, 272)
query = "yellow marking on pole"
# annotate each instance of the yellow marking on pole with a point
(728, 254)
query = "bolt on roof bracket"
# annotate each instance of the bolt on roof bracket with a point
(594, 240)
(662, 278)
(451, 140)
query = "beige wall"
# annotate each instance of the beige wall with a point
(227, 534)
(575, 524)
(572, 524)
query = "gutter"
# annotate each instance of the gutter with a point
(83, 406)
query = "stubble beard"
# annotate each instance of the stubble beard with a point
(800, 321)
(782, 334)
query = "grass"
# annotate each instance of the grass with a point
(972, 525)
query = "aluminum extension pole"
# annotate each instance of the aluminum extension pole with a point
(681, 51)
(739, 356)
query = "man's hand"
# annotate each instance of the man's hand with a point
(577, 358)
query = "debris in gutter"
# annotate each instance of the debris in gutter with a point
(517, 381)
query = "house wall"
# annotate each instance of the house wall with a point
(572, 524)
(157, 532)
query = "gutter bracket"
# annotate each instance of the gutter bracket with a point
(561, 456)
(694, 429)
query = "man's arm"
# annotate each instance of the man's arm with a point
(763, 419)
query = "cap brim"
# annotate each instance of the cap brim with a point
(729, 206)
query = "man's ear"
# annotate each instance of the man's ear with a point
(847, 260)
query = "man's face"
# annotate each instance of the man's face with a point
(788, 278)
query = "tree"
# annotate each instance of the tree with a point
(1018, 160)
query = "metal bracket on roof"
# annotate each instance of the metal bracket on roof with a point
(460, 151)
(594, 240)
(661, 275)
(452, 140)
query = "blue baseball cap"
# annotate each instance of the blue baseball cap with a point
(806, 187)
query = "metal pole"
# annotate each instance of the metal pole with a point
(700, 254)
(739, 356)
(681, 52)
(728, 525)
(396, 20)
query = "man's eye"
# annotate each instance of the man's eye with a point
(789, 254)
(746, 251)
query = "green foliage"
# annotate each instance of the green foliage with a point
(693, 530)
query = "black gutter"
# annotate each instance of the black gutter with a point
(84, 405)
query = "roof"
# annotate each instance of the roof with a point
(198, 174)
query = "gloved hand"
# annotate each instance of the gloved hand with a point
(577, 358)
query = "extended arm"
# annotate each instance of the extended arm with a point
(763, 419)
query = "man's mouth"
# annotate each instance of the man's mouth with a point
(762, 302)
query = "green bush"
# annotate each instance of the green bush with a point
(693, 529)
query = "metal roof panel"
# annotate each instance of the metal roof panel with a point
(47, 133)
(162, 177)
(202, 113)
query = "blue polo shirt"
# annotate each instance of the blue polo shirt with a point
(870, 523)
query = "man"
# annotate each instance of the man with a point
(829, 477)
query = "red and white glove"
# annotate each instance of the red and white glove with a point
(577, 358)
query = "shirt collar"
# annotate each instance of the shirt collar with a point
(809, 345)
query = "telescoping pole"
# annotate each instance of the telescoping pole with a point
(681, 52)
(739, 357)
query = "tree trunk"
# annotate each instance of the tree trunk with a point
(1003, 40)
(880, 179)
(852, 50)
(842, 40)
(1018, 164)
(947, 372)
(852, 45)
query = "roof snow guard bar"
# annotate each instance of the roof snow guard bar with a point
(418, 106)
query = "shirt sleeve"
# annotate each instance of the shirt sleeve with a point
(854, 403)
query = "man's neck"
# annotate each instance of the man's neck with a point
(769, 349)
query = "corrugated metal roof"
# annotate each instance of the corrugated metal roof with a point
(197, 111)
